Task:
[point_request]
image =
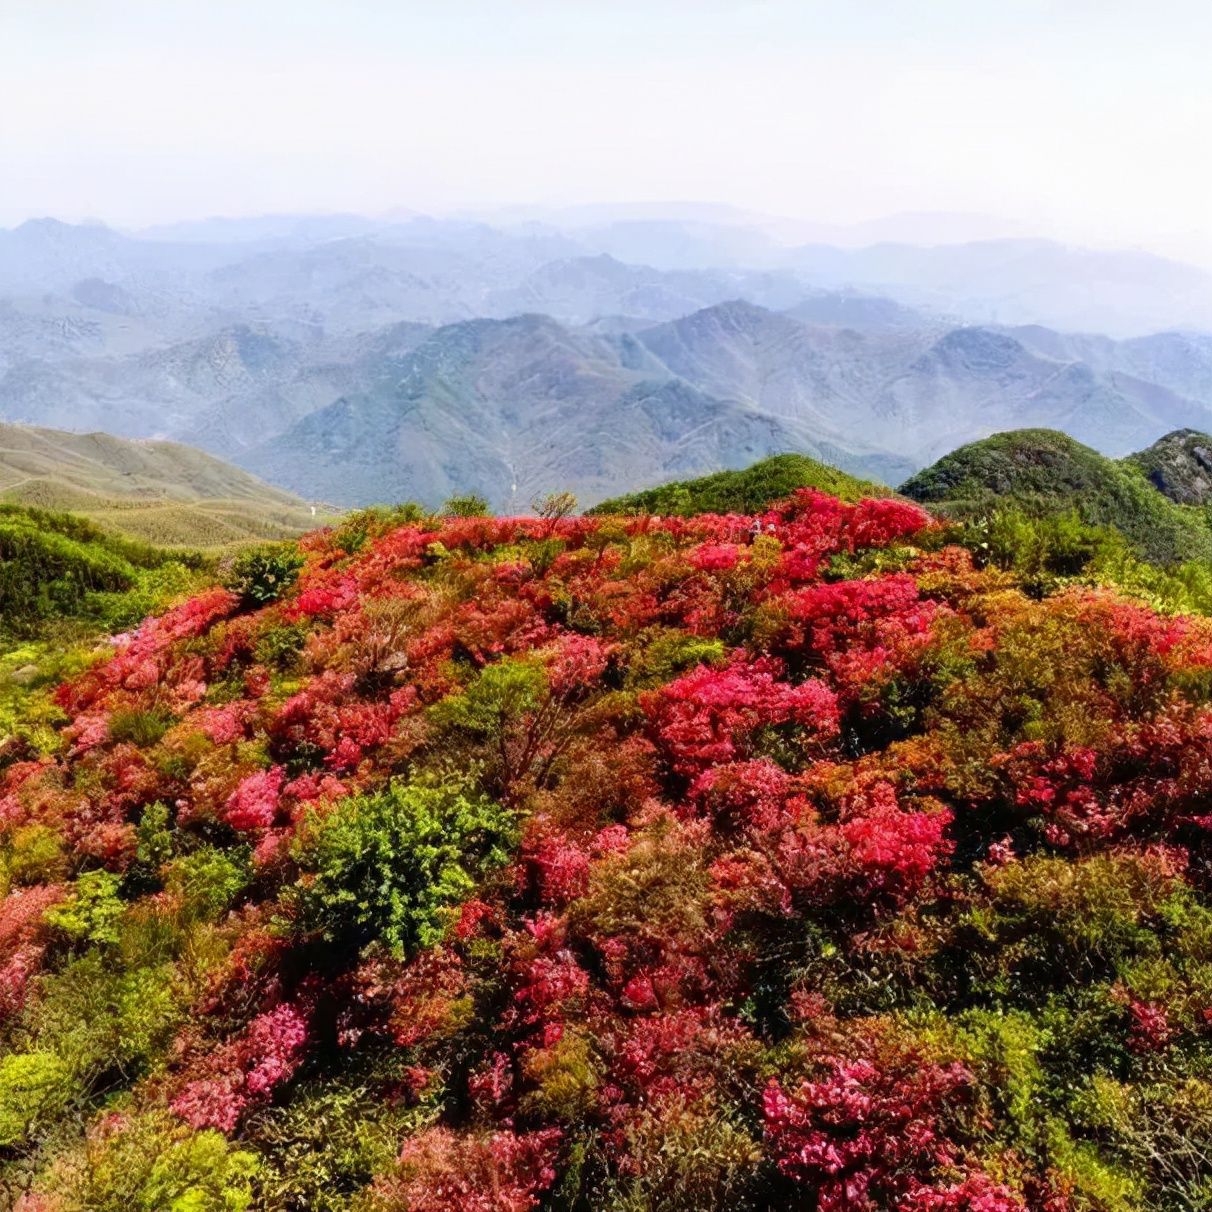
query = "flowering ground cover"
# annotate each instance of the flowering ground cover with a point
(610, 864)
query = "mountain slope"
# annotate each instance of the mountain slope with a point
(513, 865)
(514, 407)
(1045, 472)
(157, 491)
(917, 391)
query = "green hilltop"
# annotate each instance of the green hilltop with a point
(1179, 465)
(58, 566)
(1045, 473)
(749, 490)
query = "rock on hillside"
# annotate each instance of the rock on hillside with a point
(1180, 465)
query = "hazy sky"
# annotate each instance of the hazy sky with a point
(1084, 118)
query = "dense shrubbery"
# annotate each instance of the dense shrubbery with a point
(56, 566)
(263, 574)
(393, 865)
(834, 859)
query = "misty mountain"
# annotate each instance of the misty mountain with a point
(355, 359)
(512, 407)
(348, 271)
(523, 404)
(1122, 293)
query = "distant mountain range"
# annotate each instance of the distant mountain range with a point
(355, 360)
(512, 407)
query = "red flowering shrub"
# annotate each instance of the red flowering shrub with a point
(864, 1137)
(254, 803)
(710, 716)
(245, 1072)
(502, 1172)
(890, 851)
(22, 941)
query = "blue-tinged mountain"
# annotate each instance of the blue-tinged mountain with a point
(510, 408)
(516, 406)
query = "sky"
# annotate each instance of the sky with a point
(1087, 120)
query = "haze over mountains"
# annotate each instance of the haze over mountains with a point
(353, 360)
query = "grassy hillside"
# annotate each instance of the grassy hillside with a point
(158, 492)
(58, 566)
(1045, 473)
(747, 491)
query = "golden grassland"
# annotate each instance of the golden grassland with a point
(156, 492)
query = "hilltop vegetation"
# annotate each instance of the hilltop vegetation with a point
(617, 865)
(1179, 465)
(64, 584)
(1045, 473)
(749, 490)
(160, 493)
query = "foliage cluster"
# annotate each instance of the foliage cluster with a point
(57, 566)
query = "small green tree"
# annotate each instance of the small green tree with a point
(263, 574)
(554, 505)
(393, 864)
(470, 505)
(510, 724)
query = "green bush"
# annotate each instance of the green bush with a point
(154, 1163)
(263, 574)
(468, 506)
(140, 728)
(91, 913)
(35, 854)
(500, 693)
(392, 865)
(279, 646)
(670, 653)
(100, 1024)
(153, 588)
(687, 1159)
(35, 1087)
(208, 880)
(44, 574)
(332, 1136)
(364, 524)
